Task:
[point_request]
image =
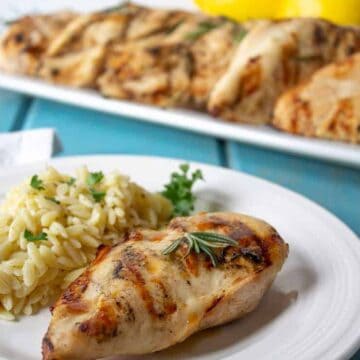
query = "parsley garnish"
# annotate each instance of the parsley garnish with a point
(29, 236)
(52, 199)
(204, 242)
(71, 181)
(97, 195)
(203, 28)
(94, 178)
(178, 190)
(36, 183)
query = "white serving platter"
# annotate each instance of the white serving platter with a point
(263, 136)
(311, 311)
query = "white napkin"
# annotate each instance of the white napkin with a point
(24, 147)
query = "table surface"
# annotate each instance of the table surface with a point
(335, 187)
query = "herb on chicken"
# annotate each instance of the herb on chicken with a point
(204, 242)
(202, 28)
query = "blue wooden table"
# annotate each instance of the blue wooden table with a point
(335, 187)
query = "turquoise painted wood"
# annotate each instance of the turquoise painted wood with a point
(88, 132)
(335, 187)
(13, 109)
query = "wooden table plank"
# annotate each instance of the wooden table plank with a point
(335, 187)
(86, 131)
(13, 109)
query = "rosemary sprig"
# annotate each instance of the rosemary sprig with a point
(310, 57)
(239, 35)
(202, 28)
(173, 27)
(199, 242)
(116, 8)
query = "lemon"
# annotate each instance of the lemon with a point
(242, 9)
(345, 12)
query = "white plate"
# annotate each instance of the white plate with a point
(190, 120)
(312, 309)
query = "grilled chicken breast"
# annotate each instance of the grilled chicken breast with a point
(273, 57)
(133, 299)
(211, 54)
(78, 69)
(326, 106)
(24, 44)
(176, 65)
(158, 75)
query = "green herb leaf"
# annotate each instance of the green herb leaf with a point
(179, 190)
(94, 178)
(310, 57)
(29, 236)
(173, 27)
(52, 199)
(97, 195)
(239, 35)
(71, 181)
(204, 242)
(36, 183)
(116, 8)
(202, 28)
(9, 21)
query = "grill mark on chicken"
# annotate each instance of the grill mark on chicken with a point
(135, 235)
(319, 35)
(302, 110)
(130, 313)
(103, 325)
(169, 306)
(101, 253)
(192, 264)
(117, 269)
(343, 112)
(72, 297)
(251, 78)
(253, 254)
(133, 261)
(214, 303)
(47, 347)
(290, 69)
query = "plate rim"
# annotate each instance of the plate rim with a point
(351, 239)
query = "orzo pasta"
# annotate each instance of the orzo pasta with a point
(52, 224)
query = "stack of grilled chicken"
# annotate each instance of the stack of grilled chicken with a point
(299, 75)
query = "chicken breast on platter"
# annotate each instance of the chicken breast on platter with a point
(213, 43)
(134, 299)
(157, 75)
(77, 55)
(273, 57)
(326, 106)
(199, 48)
(78, 69)
(24, 44)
